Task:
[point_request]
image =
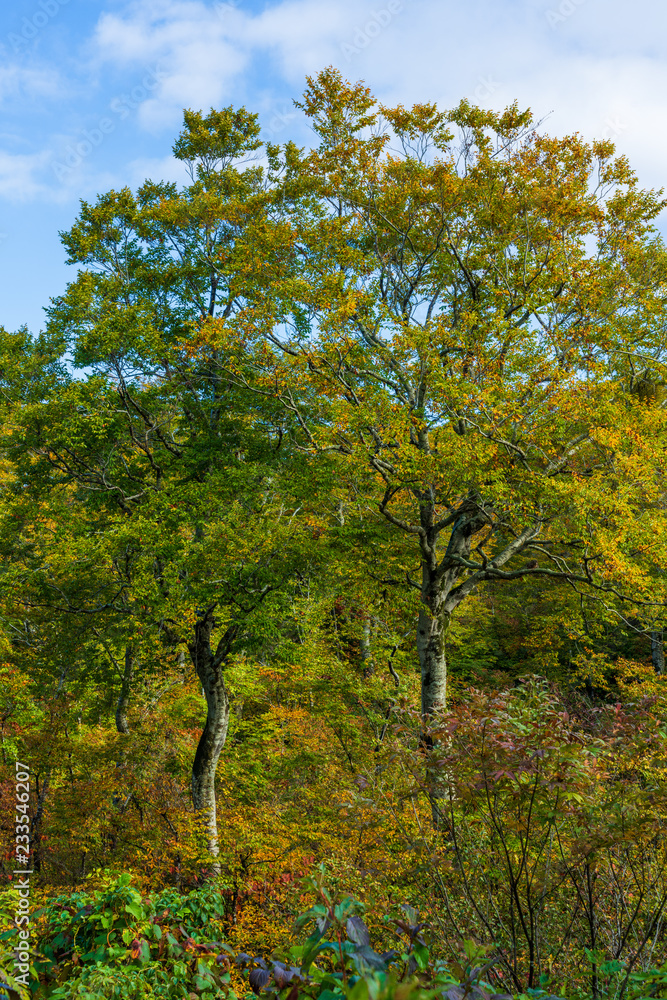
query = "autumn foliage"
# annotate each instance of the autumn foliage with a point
(332, 588)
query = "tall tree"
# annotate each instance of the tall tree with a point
(174, 466)
(461, 305)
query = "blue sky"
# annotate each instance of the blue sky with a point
(91, 93)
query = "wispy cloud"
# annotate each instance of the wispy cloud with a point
(19, 82)
(198, 52)
(585, 69)
(20, 175)
(208, 52)
(303, 36)
(159, 168)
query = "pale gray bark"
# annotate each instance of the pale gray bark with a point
(431, 630)
(441, 593)
(209, 665)
(365, 654)
(658, 651)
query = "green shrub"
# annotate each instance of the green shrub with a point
(115, 944)
(106, 942)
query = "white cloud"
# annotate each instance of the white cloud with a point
(586, 73)
(206, 52)
(303, 36)
(591, 69)
(194, 47)
(17, 175)
(18, 82)
(599, 67)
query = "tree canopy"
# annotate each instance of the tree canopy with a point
(319, 461)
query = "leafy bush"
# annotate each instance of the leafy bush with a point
(550, 839)
(114, 943)
(7, 980)
(337, 961)
(107, 940)
(98, 982)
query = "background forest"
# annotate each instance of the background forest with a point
(332, 585)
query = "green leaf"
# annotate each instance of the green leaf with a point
(331, 994)
(421, 953)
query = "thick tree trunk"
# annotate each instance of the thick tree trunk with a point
(124, 696)
(658, 651)
(210, 670)
(431, 630)
(441, 593)
(439, 597)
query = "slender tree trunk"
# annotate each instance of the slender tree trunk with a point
(124, 696)
(432, 623)
(365, 654)
(36, 824)
(658, 652)
(210, 671)
(431, 630)
(439, 579)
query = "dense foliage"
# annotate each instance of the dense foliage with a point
(332, 589)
